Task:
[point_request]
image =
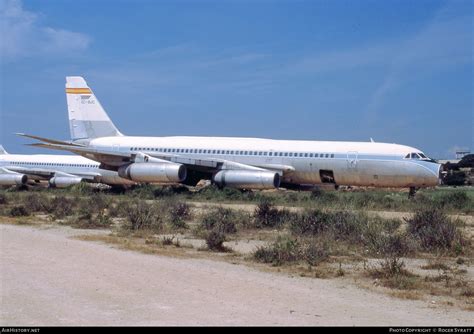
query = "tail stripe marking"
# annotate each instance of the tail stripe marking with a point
(78, 91)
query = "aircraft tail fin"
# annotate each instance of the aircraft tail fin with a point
(87, 118)
(2, 150)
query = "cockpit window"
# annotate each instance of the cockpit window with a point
(415, 155)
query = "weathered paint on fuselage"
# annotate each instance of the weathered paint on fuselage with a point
(352, 163)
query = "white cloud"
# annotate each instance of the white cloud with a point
(444, 42)
(22, 34)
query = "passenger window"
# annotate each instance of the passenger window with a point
(286, 154)
(332, 155)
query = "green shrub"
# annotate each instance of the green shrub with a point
(178, 212)
(59, 206)
(169, 191)
(284, 250)
(266, 215)
(87, 220)
(393, 274)
(311, 222)
(142, 215)
(38, 202)
(315, 251)
(455, 200)
(3, 199)
(343, 225)
(221, 219)
(215, 240)
(287, 250)
(435, 230)
(19, 211)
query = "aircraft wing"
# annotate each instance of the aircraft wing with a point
(116, 159)
(45, 174)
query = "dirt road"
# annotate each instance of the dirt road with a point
(49, 279)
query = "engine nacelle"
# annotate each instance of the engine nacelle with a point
(13, 179)
(246, 179)
(153, 172)
(63, 181)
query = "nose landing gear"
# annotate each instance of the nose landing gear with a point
(412, 192)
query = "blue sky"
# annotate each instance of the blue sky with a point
(396, 71)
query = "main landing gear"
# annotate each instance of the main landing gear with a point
(412, 192)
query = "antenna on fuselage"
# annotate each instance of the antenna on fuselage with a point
(371, 140)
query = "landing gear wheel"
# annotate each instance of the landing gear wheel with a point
(412, 192)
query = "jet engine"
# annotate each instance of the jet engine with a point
(246, 179)
(153, 172)
(13, 179)
(63, 181)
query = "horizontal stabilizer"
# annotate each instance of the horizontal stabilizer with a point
(51, 141)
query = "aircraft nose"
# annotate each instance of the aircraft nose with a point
(434, 173)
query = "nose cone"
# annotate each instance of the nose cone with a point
(431, 173)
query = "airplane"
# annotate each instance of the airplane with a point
(244, 163)
(59, 170)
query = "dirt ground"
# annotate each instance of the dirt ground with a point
(47, 278)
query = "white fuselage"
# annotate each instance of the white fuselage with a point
(312, 162)
(69, 164)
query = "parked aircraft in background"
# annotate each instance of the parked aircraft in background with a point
(58, 170)
(250, 163)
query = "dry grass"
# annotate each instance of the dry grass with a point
(409, 295)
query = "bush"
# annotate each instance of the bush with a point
(266, 215)
(178, 212)
(435, 230)
(215, 240)
(289, 250)
(87, 220)
(82, 188)
(60, 207)
(19, 211)
(398, 244)
(315, 251)
(221, 219)
(3, 199)
(455, 200)
(37, 202)
(343, 225)
(393, 274)
(311, 222)
(96, 203)
(143, 191)
(169, 191)
(142, 215)
(283, 250)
